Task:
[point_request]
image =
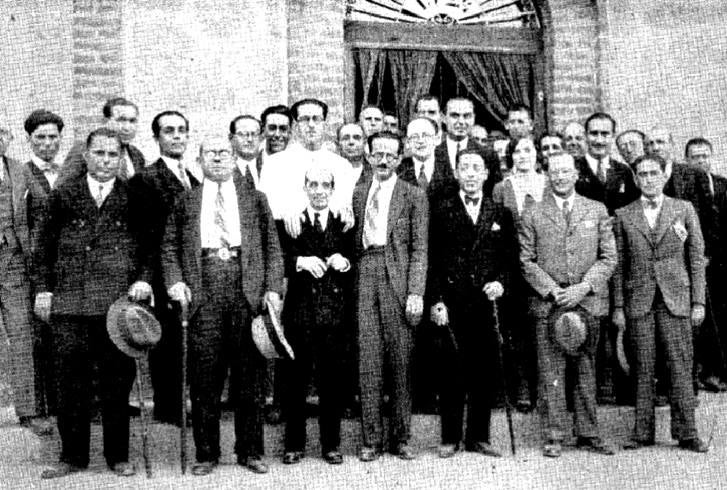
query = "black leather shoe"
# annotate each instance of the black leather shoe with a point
(123, 469)
(333, 457)
(633, 444)
(60, 470)
(404, 451)
(203, 468)
(596, 445)
(292, 457)
(695, 445)
(253, 463)
(368, 454)
(483, 448)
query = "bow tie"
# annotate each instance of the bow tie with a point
(651, 204)
(471, 200)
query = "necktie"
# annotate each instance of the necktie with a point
(456, 153)
(99, 197)
(601, 169)
(566, 213)
(123, 170)
(422, 180)
(317, 223)
(653, 204)
(248, 175)
(372, 211)
(471, 201)
(183, 176)
(220, 218)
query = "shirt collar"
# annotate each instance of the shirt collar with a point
(659, 200)
(593, 161)
(559, 200)
(478, 196)
(95, 184)
(387, 184)
(322, 215)
(43, 165)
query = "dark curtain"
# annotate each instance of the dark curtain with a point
(497, 81)
(368, 61)
(412, 72)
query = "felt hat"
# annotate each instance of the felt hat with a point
(267, 333)
(569, 329)
(132, 327)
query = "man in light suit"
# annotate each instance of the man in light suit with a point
(659, 286)
(567, 255)
(391, 246)
(87, 259)
(221, 253)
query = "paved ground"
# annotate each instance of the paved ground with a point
(23, 456)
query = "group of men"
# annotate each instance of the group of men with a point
(387, 260)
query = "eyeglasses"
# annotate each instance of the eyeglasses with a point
(326, 186)
(419, 137)
(308, 119)
(220, 153)
(247, 135)
(283, 128)
(389, 157)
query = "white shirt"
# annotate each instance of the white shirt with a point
(711, 183)
(652, 214)
(452, 150)
(428, 167)
(322, 216)
(356, 172)
(593, 163)
(283, 177)
(243, 165)
(209, 233)
(102, 188)
(382, 218)
(472, 209)
(126, 160)
(559, 201)
(50, 175)
(531, 184)
(173, 165)
(667, 171)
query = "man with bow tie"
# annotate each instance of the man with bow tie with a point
(659, 286)
(567, 255)
(120, 115)
(472, 253)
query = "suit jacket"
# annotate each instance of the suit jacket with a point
(464, 256)
(153, 192)
(554, 254)
(442, 183)
(249, 181)
(260, 255)
(406, 244)
(13, 170)
(619, 190)
(310, 301)
(670, 258)
(691, 183)
(504, 194)
(366, 174)
(88, 256)
(74, 165)
(448, 183)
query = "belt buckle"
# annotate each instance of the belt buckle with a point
(224, 254)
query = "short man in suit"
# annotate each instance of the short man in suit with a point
(246, 136)
(567, 255)
(15, 317)
(659, 287)
(221, 253)
(153, 192)
(630, 144)
(122, 116)
(317, 264)
(351, 145)
(371, 119)
(473, 250)
(88, 258)
(391, 247)
(712, 338)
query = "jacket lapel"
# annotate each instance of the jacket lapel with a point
(484, 222)
(194, 211)
(638, 218)
(39, 177)
(578, 212)
(552, 211)
(395, 206)
(245, 210)
(665, 219)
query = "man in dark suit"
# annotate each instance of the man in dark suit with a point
(391, 246)
(659, 286)
(473, 250)
(567, 255)
(277, 124)
(153, 191)
(88, 258)
(122, 116)
(221, 253)
(246, 136)
(351, 145)
(712, 336)
(317, 265)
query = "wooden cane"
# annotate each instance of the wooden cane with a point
(500, 357)
(144, 428)
(183, 428)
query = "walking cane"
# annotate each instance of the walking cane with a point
(183, 428)
(501, 361)
(144, 428)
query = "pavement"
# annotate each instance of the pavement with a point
(23, 456)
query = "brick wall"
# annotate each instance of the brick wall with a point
(97, 55)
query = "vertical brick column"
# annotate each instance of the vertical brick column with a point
(97, 60)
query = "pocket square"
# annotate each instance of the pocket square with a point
(495, 227)
(680, 231)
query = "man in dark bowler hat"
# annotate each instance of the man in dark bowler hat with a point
(221, 255)
(88, 257)
(317, 264)
(153, 191)
(122, 116)
(391, 246)
(472, 252)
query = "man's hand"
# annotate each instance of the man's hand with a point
(493, 290)
(43, 305)
(338, 262)
(139, 291)
(293, 224)
(315, 266)
(180, 292)
(572, 295)
(697, 315)
(414, 308)
(275, 302)
(346, 215)
(439, 315)
(619, 319)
